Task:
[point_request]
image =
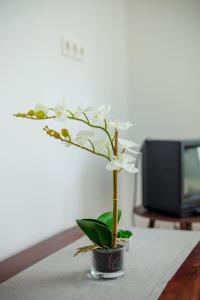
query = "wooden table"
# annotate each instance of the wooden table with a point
(185, 223)
(184, 285)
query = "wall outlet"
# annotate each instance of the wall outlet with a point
(72, 49)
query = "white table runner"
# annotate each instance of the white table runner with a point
(154, 258)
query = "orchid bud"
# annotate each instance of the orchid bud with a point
(40, 114)
(20, 115)
(56, 135)
(65, 132)
(31, 112)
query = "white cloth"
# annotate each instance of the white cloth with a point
(154, 257)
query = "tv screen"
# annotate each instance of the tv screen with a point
(191, 171)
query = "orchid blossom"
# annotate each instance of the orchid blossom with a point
(60, 110)
(120, 125)
(106, 148)
(83, 136)
(40, 107)
(82, 110)
(128, 145)
(101, 112)
(123, 161)
(102, 145)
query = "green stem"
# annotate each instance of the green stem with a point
(115, 196)
(87, 122)
(95, 126)
(86, 118)
(85, 148)
(35, 119)
(52, 132)
(91, 143)
(67, 110)
(105, 124)
(108, 151)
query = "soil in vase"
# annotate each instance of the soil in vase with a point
(108, 263)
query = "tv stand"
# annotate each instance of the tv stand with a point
(184, 223)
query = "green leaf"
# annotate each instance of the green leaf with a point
(97, 221)
(124, 234)
(97, 232)
(107, 218)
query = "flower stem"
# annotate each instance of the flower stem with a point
(87, 149)
(115, 195)
(51, 132)
(91, 143)
(33, 118)
(95, 126)
(86, 118)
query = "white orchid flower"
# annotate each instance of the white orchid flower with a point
(101, 146)
(124, 161)
(60, 110)
(83, 136)
(130, 168)
(101, 112)
(41, 107)
(128, 145)
(82, 109)
(120, 125)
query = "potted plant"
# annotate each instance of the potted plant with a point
(107, 251)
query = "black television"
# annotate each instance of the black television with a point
(171, 176)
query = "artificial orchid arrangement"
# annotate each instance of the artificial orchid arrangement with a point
(103, 231)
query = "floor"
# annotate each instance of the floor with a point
(143, 222)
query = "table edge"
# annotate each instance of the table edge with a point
(185, 283)
(26, 258)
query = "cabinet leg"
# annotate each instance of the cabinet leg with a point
(186, 226)
(151, 223)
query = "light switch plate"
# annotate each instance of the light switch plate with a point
(72, 49)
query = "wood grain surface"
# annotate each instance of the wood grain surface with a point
(185, 284)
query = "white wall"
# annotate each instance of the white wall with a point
(164, 69)
(44, 186)
(141, 56)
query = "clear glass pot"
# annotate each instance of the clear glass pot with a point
(108, 263)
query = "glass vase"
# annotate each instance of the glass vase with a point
(108, 263)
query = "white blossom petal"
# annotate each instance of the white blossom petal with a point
(82, 109)
(126, 157)
(101, 145)
(128, 145)
(124, 161)
(60, 110)
(104, 109)
(85, 108)
(120, 125)
(83, 136)
(111, 166)
(131, 168)
(101, 112)
(41, 107)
